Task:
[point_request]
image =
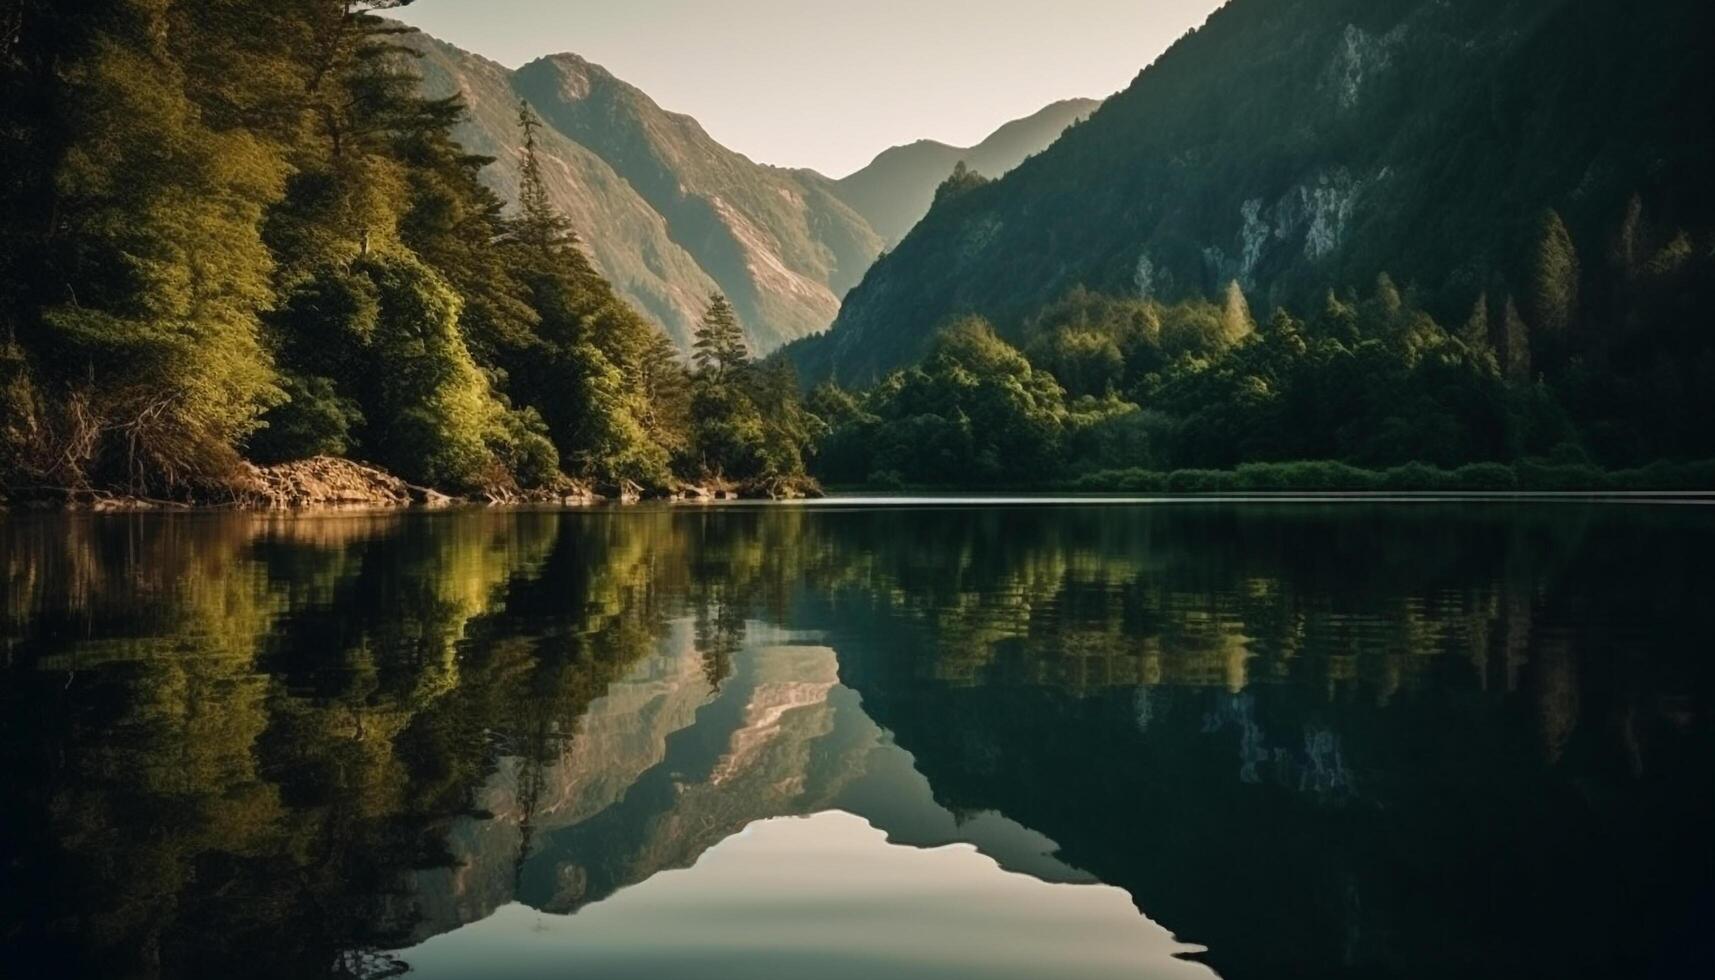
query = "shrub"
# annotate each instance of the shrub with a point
(437, 410)
(313, 421)
(1120, 481)
(1666, 476)
(1201, 481)
(887, 480)
(1416, 477)
(525, 447)
(1311, 476)
(1485, 476)
(1537, 474)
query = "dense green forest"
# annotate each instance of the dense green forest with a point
(1598, 365)
(237, 230)
(1297, 145)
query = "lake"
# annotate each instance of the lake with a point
(851, 740)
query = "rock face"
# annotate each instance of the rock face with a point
(1298, 145)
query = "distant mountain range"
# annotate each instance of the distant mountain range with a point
(1297, 145)
(670, 215)
(893, 193)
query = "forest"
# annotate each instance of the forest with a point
(238, 232)
(234, 234)
(1598, 373)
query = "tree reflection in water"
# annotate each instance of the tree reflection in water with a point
(1317, 740)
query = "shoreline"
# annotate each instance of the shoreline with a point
(335, 485)
(848, 499)
(327, 484)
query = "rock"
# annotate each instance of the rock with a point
(623, 491)
(780, 488)
(428, 496)
(327, 481)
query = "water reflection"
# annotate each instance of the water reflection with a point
(1316, 741)
(840, 902)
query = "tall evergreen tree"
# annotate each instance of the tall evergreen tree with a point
(1236, 320)
(1475, 332)
(1554, 278)
(719, 347)
(540, 226)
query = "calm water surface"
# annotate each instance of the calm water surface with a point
(1169, 741)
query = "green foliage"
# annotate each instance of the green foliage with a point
(960, 182)
(728, 438)
(246, 229)
(1290, 144)
(976, 412)
(525, 446)
(314, 420)
(1554, 277)
(432, 416)
(141, 301)
(719, 344)
(1533, 475)
(226, 230)
(1370, 384)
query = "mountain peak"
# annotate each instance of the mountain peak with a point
(669, 214)
(895, 190)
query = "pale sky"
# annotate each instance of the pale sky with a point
(828, 85)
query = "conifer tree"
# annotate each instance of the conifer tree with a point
(719, 347)
(1554, 277)
(540, 226)
(1236, 321)
(1475, 332)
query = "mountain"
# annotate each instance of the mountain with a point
(1295, 145)
(628, 240)
(893, 193)
(667, 213)
(663, 767)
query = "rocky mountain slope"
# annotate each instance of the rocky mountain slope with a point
(1294, 145)
(669, 215)
(893, 193)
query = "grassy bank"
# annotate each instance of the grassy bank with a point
(1328, 476)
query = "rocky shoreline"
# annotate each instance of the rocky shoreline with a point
(332, 483)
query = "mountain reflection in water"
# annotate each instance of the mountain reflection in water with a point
(1314, 740)
(827, 897)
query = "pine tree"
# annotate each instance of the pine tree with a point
(1236, 321)
(1388, 296)
(719, 348)
(157, 267)
(1627, 251)
(663, 391)
(1475, 332)
(540, 226)
(1554, 277)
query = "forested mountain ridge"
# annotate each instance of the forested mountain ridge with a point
(780, 245)
(1297, 145)
(895, 190)
(668, 213)
(626, 238)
